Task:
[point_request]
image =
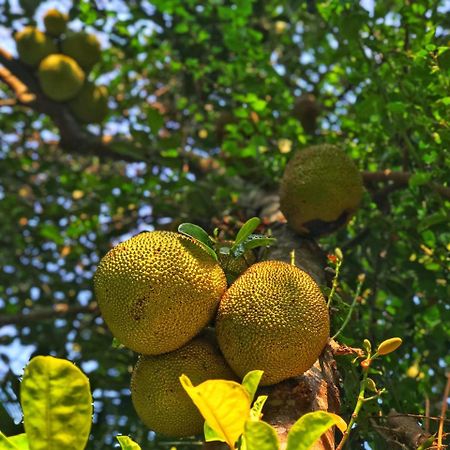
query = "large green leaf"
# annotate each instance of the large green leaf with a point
(20, 441)
(57, 404)
(6, 443)
(308, 429)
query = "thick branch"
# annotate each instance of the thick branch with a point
(400, 179)
(73, 137)
(57, 312)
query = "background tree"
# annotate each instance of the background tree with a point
(205, 110)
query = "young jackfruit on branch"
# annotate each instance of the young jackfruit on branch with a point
(55, 22)
(91, 103)
(157, 290)
(158, 396)
(60, 77)
(83, 47)
(272, 318)
(320, 190)
(33, 45)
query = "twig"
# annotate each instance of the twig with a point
(58, 311)
(443, 413)
(352, 307)
(400, 179)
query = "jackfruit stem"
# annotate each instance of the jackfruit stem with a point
(292, 257)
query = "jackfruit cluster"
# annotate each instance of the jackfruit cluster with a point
(62, 60)
(159, 290)
(320, 190)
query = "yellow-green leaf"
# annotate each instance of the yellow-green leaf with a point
(258, 404)
(210, 434)
(56, 403)
(308, 429)
(20, 441)
(251, 382)
(126, 443)
(225, 405)
(260, 436)
(6, 444)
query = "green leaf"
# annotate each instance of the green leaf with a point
(308, 429)
(126, 443)
(258, 240)
(211, 435)
(418, 179)
(255, 412)
(260, 436)
(246, 230)
(20, 441)
(225, 405)
(200, 235)
(251, 382)
(6, 444)
(155, 120)
(56, 403)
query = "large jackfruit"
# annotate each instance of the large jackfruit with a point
(157, 290)
(273, 318)
(320, 190)
(60, 77)
(33, 45)
(91, 103)
(158, 397)
(83, 47)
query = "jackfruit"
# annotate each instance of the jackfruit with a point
(83, 47)
(60, 77)
(156, 392)
(91, 103)
(157, 290)
(232, 266)
(272, 318)
(320, 190)
(55, 22)
(33, 45)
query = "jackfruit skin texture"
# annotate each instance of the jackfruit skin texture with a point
(157, 290)
(320, 190)
(156, 392)
(83, 47)
(33, 45)
(91, 104)
(55, 22)
(273, 318)
(60, 77)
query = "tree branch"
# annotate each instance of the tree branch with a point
(73, 137)
(400, 179)
(61, 310)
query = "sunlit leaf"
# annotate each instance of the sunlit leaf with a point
(126, 443)
(258, 404)
(57, 404)
(200, 235)
(225, 405)
(308, 429)
(6, 443)
(251, 382)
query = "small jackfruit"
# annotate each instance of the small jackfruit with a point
(158, 396)
(272, 318)
(60, 77)
(55, 22)
(33, 45)
(157, 290)
(320, 190)
(83, 47)
(91, 103)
